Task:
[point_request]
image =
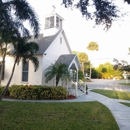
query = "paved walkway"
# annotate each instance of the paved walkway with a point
(119, 111)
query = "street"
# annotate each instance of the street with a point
(108, 84)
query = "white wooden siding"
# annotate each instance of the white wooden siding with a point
(52, 54)
(33, 77)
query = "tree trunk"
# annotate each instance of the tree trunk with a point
(2, 69)
(6, 88)
(83, 68)
(57, 80)
(1, 72)
(3, 62)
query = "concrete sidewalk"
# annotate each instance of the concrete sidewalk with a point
(119, 111)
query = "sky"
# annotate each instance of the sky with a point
(80, 32)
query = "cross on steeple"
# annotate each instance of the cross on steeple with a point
(54, 7)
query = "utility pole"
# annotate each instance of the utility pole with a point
(90, 71)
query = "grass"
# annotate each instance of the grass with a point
(113, 94)
(124, 103)
(125, 84)
(56, 116)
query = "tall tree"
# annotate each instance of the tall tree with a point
(13, 14)
(107, 70)
(18, 11)
(58, 71)
(103, 12)
(22, 50)
(92, 46)
(122, 65)
(83, 58)
(7, 34)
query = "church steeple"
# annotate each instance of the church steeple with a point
(53, 23)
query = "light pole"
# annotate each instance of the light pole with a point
(90, 71)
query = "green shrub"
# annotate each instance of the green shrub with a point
(58, 93)
(1, 90)
(37, 92)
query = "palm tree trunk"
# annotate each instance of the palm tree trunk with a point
(57, 80)
(1, 72)
(3, 62)
(83, 68)
(6, 88)
(2, 67)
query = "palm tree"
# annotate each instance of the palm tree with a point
(59, 71)
(18, 11)
(92, 46)
(22, 50)
(83, 58)
(13, 14)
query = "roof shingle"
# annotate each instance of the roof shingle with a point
(67, 59)
(44, 42)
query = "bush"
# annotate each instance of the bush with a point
(1, 90)
(58, 93)
(37, 92)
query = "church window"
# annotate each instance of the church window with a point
(52, 22)
(60, 23)
(25, 70)
(57, 22)
(49, 22)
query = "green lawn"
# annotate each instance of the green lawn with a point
(56, 116)
(124, 103)
(125, 84)
(113, 94)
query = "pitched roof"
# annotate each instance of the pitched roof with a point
(67, 59)
(44, 42)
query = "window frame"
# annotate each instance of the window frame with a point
(49, 22)
(25, 79)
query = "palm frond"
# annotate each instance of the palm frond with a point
(24, 11)
(26, 50)
(35, 62)
(59, 71)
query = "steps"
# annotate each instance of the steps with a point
(71, 91)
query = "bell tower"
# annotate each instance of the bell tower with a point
(53, 23)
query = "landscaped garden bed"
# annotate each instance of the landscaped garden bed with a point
(35, 92)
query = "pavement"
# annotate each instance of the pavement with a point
(120, 112)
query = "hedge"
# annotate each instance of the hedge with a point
(37, 92)
(1, 90)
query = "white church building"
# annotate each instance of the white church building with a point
(53, 47)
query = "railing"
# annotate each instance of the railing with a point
(81, 88)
